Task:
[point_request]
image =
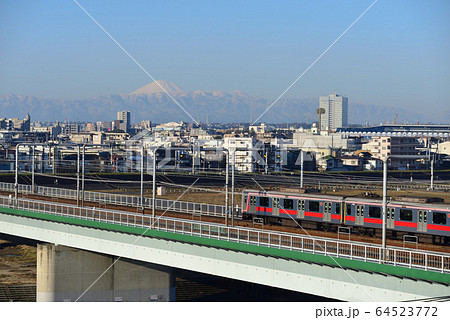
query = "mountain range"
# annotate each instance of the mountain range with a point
(153, 103)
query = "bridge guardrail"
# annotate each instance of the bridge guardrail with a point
(431, 261)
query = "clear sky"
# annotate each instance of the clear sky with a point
(396, 55)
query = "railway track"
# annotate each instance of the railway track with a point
(241, 223)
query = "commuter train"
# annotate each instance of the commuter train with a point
(360, 214)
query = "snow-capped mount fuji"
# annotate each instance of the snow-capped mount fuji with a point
(159, 86)
(152, 103)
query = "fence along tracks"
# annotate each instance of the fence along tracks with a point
(122, 200)
(413, 259)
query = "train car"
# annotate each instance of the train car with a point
(278, 207)
(433, 219)
(273, 207)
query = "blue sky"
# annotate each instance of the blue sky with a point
(396, 55)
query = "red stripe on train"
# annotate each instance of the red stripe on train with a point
(372, 220)
(336, 216)
(263, 209)
(287, 211)
(349, 218)
(438, 227)
(314, 214)
(405, 224)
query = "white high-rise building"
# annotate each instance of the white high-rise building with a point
(335, 112)
(125, 118)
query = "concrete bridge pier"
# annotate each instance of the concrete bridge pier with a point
(64, 273)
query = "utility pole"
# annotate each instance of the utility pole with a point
(301, 168)
(383, 245)
(16, 184)
(266, 160)
(432, 174)
(54, 159)
(82, 177)
(78, 176)
(154, 187)
(193, 159)
(32, 170)
(232, 188)
(226, 186)
(112, 152)
(142, 178)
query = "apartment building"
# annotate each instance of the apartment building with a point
(401, 151)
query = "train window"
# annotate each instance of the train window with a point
(439, 218)
(391, 211)
(349, 209)
(375, 212)
(360, 210)
(264, 201)
(314, 206)
(338, 208)
(301, 205)
(288, 204)
(276, 202)
(406, 214)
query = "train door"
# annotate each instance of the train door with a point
(276, 206)
(422, 221)
(252, 204)
(301, 209)
(359, 218)
(327, 211)
(390, 218)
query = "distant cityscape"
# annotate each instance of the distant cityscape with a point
(327, 145)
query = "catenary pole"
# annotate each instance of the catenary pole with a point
(78, 176)
(384, 253)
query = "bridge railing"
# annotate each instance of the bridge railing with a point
(423, 260)
(123, 200)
